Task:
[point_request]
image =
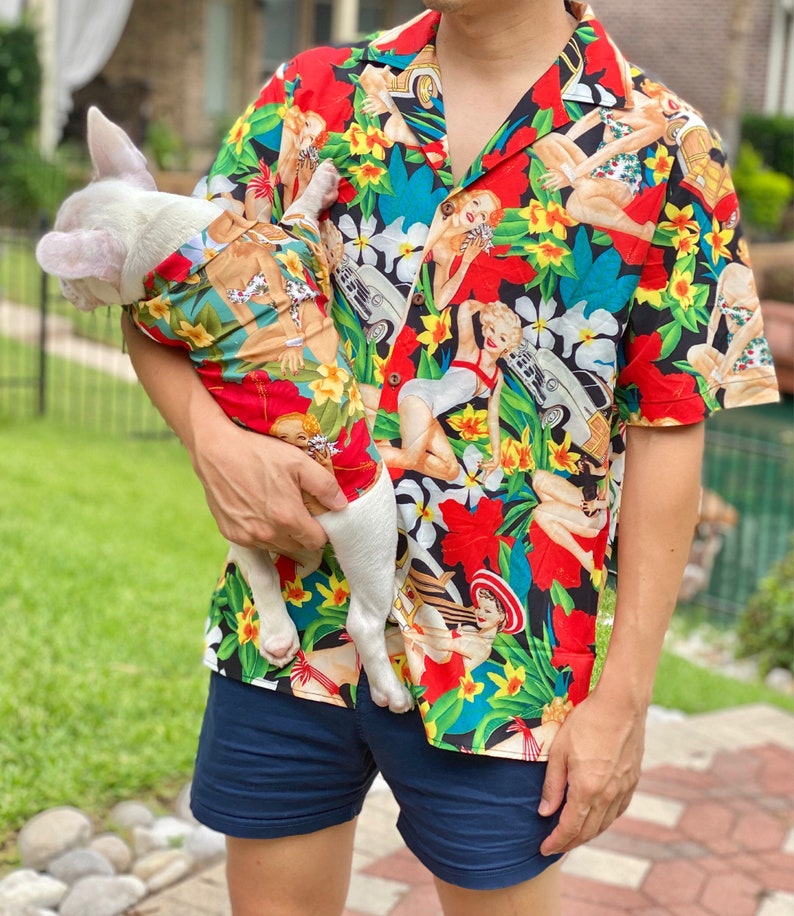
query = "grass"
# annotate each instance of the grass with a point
(109, 556)
(108, 559)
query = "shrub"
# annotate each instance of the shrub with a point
(31, 187)
(20, 79)
(764, 194)
(766, 627)
(773, 137)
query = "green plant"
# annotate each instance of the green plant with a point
(166, 147)
(773, 137)
(20, 78)
(766, 627)
(31, 187)
(764, 193)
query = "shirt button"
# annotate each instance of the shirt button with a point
(394, 379)
(418, 299)
(447, 208)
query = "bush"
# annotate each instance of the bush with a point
(31, 187)
(773, 137)
(764, 194)
(20, 79)
(766, 628)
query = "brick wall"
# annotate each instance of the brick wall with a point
(683, 43)
(163, 45)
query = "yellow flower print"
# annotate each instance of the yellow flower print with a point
(561, 456)
(554, 218)
(197, 334)
(355, 406)
(651, 296)
(292, 263)
(685, 242)
(556, 711)
(379, 366)
(680, 219)
(331, 384)
(294, 593)
(238, 133)
(681, 288)
(547, 253)
(719, 239)
(337, 595)
(158, 308)
(511, 683)
(424, 512)
(471, 424)
(367, 174)
(469, 688)
(517, 455)
(661, 164)
(247, 623)
(438, 330)
(372, 141)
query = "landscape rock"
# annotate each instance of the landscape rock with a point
(103, 896)
(129, 814)
(79, 863)
(51, 833)
(114, 849)
(29, 888)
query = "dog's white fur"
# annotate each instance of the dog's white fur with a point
(107, 238)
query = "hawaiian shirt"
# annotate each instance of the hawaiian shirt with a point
(587, 272)
(248, 301)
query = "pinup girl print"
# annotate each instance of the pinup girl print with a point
(565, 510)
(747, 357)
(304, 136)
(462, 231)
(472, 373)
(442, 655)
(375, 82)
(606, 182)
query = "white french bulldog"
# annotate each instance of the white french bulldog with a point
(113, 236)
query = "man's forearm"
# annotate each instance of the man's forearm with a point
(659, 507)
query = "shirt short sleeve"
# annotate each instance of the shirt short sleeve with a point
(694, 341)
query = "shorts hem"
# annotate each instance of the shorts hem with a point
(485, 880)
(249, 829)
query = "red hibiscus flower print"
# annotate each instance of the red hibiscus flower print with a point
(472, 540)
(574, 635)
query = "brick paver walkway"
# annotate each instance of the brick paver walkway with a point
(709, 831)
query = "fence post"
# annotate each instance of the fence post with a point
(43, 309)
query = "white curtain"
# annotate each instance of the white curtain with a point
(10, 10)
(87, 32)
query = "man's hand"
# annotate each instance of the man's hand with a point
(255, 487)
(597, 755)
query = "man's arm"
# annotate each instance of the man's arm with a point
(254, 484)
(598, 750)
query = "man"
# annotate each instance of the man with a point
(461, 139)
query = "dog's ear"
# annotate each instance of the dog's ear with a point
(113, 154)
(82, 254)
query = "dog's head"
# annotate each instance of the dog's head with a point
(86, 250)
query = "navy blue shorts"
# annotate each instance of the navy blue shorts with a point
(272, 765)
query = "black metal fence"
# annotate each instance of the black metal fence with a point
(71, 367)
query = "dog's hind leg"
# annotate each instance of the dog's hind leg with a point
(278, 637)
(364, 538)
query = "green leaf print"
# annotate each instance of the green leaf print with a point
(561, 596)
(251, 662)
(228, 647)
(445, 711)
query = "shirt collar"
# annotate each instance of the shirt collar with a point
(592, 69)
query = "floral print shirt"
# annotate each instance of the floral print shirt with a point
(587, 272)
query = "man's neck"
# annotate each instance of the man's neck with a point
(504, 37)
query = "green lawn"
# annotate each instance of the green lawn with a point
(108, 557)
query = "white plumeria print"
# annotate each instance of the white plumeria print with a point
(592, 338)
(406, 248)
(540, 318)
(359, 239)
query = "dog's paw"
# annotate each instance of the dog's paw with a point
(326, 180)
(279, 649)
(395, 696)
